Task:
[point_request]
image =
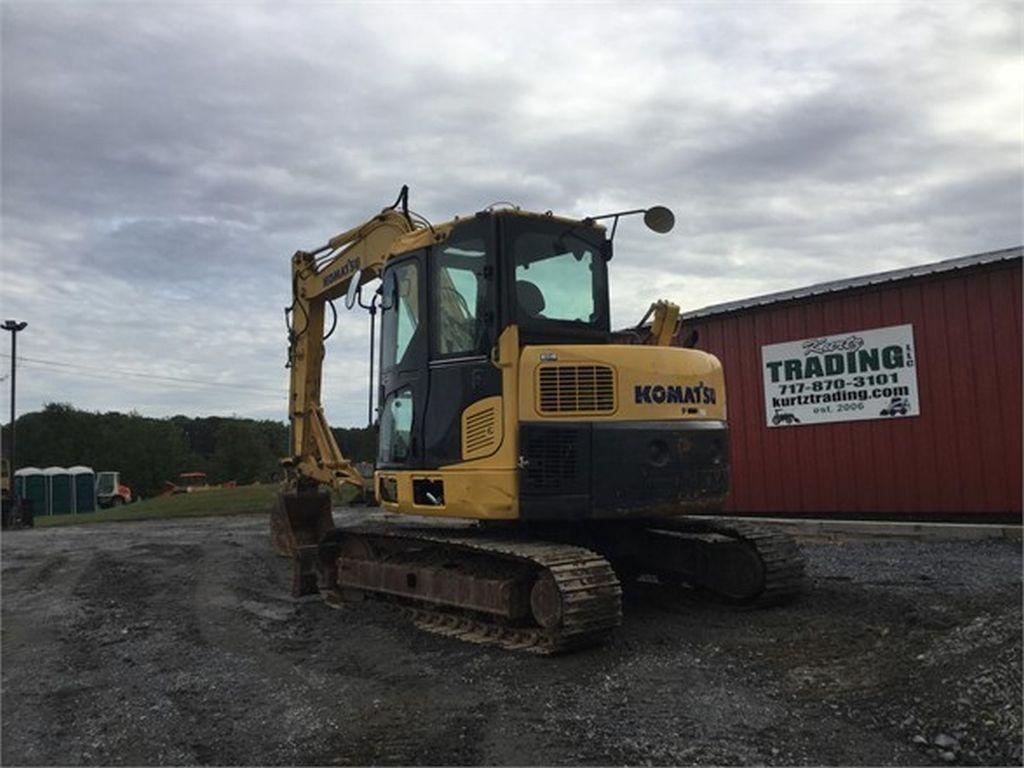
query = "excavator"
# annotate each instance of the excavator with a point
(530, 460)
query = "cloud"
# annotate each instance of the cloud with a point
(161, 162)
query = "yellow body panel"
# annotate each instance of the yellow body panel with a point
(485, 488)
(474, 494)
(651, 383)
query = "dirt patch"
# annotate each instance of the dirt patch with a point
(176, 642)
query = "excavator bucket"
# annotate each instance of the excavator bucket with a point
(300, 520)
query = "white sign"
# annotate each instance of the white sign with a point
(848, 377)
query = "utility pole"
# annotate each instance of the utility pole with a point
(13, 327)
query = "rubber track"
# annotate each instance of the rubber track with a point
(590, 590)
(783, 561)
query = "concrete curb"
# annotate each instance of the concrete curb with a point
(871, 529)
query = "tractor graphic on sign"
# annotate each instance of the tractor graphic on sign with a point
(898, 406)
(781, 417)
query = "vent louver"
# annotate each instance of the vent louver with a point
(480, 432)
(575, 389)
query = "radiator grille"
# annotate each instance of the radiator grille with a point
(575, 389)
(551, 459)
(480, 433)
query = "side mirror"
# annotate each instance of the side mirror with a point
(660, 219)
(353, 290)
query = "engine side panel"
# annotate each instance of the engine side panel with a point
(611, 382)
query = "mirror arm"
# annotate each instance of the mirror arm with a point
(373, 299)
(616, 215)
(657, 223)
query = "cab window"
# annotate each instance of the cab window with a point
(396, 427)
(560, 276)
(557, 286)
(461, 293)
(401, 312)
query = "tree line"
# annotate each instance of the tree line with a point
(149, 451)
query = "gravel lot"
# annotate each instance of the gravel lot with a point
(177, 642)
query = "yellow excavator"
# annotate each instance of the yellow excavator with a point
(574, 457)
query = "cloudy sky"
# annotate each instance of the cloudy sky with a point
(162, 161)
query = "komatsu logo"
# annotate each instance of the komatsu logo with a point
(673, 393)
(344, 270)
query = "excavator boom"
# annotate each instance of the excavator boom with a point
(319, 277)
(315, 460)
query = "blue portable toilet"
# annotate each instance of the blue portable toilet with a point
(83, 482)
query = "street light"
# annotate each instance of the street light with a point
(13, 326)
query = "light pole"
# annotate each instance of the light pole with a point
(13, 326)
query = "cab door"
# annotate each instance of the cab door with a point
(403, 360)
(463, 302)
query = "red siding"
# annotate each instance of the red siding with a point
(960, 458)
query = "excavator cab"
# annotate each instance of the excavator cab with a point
(503, 397)
(444, 311)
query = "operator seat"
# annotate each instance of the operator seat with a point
(531, 300)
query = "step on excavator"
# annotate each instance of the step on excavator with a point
(542, 460)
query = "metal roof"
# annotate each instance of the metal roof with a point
(878, 278)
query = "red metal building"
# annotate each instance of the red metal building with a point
(951, 450)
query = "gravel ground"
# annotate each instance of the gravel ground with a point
(176, 642)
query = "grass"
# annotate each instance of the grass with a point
(216, 501)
